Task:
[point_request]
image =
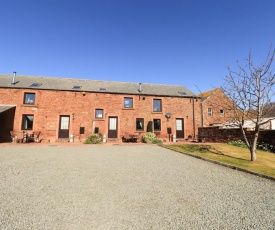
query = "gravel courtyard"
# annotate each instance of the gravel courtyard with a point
(127, 187)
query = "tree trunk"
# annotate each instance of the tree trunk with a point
(254, 145)
(253, 154)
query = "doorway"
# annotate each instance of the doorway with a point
(112, 128)
(64, 124)
(179, 128)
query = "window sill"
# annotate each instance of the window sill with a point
(28, 105)
(127, 108)
(99, 119)
(157, 112)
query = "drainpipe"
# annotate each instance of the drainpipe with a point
(201, 114)
(194, 123)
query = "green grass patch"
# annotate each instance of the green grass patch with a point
(232, 155)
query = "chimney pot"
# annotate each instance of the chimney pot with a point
(139, 88)
(14, 78)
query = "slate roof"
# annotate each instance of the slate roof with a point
(205, 95)
(50, 83)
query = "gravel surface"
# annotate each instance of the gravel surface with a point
(127, 187)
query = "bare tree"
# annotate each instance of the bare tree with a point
(251, 88)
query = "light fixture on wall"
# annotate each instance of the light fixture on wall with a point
(73, 115)
(168, 115)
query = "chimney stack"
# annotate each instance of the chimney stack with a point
(14, 78)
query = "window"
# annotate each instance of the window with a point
(128, 102)
(140, 124)
(27, 122)
(210, 112)
(99, 113)
(221, 112)
(157, 105)
(157, 124)
(29, 98)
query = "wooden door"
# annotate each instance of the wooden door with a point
(64, 124)
(179, 128)
(112, 129)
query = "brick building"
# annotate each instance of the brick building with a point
(216, 108)
(58, 107)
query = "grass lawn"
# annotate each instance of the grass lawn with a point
(237, 156)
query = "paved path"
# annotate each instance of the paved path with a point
(127, 187)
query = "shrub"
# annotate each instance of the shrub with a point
(151, 138)
(266, 147)
(93, 139)
(238, 143)
(157, 141)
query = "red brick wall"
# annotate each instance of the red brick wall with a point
(217, 101)
(49, 105)
(219, 135)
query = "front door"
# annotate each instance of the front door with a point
(112, 130)
(179, 128)
(64, 124)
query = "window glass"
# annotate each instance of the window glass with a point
(29, 98)
(27, 122)
(210, 112)
(157, 125)
(65, 121)
(99, 113)
(128, 102)
(157, 105)
(139, 124)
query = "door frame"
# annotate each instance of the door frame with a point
(112, 133)
(180, 132)
(66, 132)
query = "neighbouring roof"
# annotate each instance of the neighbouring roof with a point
(205, 95)
(50, 83)
(267, 123)
(4, 107)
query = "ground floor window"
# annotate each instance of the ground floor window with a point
(140, 124)
(99, 113)
(157, 124)
(27, 122)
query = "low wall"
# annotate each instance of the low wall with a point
(220, 135)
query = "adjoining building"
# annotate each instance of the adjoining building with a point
(59, 107)
(216, 108)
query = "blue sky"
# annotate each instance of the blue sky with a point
(177, 42)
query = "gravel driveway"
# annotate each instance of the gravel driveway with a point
(127, 187)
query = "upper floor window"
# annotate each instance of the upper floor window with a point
(157, 105)
(99, 113)
(157, 124)
(210, 112)
(128, 102)
(221, 112)
(140, 124)
(27, 121)
(29, 98)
